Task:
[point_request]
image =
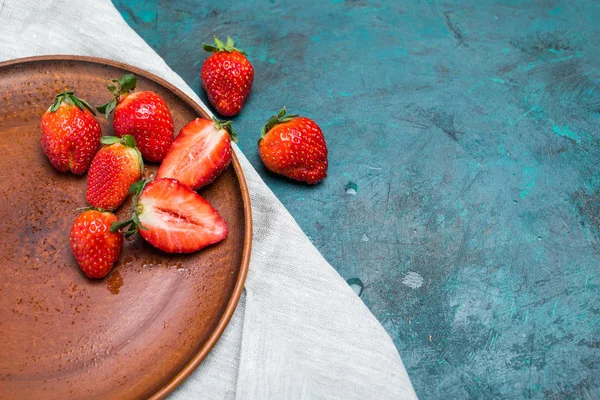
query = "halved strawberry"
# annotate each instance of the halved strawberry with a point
(200, 153)
(172, 217)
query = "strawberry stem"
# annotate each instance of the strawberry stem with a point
(276, 120)
(118, 88)
(228, 46)
(70, 98)
(134, 222)
(227, 125)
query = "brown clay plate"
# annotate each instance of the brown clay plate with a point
(143, 329)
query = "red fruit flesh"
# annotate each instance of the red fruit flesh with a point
(146, 117)
(114, 169)
(95, 248)
(177, 219)
(70, 138)
(227, 78)
(199, 154)
(295, 149)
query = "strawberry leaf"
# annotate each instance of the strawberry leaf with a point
(275, 120)
(115, 226)
(110, 107)
(127, 83)
(137, 187)
(128, 140)
(220, 44)
(227, 125)
(57, 102)
(228, 46)
(209, 47)
(82, 104)
(270, 124)
(74, 100)
(89, 208)
(70, 98)
(117, 88)
(86, 105)
(112, 88)
(109, 140)
(102, 109)
(107, 108)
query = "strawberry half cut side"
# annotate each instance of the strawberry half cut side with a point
(172, 217)
(200, 153)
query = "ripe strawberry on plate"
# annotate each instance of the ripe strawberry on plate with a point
(70, 133)
(172, 217)
(94, 246)
(295, 147)
(227, 77)
(114, 169)
(143, 115)
(200, 152)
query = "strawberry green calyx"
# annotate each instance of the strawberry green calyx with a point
(128, 141)
(118, 88)
(70, 98)
(90, 208)
(134, 224)
(219, 124)
(220, 46)
(276, 120)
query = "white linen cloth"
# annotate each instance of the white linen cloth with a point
(299, 330)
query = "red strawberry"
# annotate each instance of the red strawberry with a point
(173, 218)
(114, 169)
(227, 77)
(95, 248)
(294, 147)
(70, 134)
(143, 115)
(200, 152)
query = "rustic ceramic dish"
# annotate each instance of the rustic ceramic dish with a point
(143, 329)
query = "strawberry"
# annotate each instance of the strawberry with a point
(95, 248)
(143, 115)
(172, 217)
(114, 169)
(70, 133)
(294, 147)
(227, 77)
(200, 152)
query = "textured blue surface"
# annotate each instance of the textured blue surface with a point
(464, 180)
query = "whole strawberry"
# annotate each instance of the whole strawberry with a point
(200, 153)
(295, 147)
(227, 77)
(143, 115)
(95, 248)
(114, 169)
(70, 133)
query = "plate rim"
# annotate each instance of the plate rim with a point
(245, 263)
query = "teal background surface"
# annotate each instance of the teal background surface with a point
(464, 178)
